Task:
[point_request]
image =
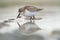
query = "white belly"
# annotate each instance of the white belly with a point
(29, 14)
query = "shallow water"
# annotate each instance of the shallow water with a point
(49, 22)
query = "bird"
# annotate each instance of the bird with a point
(28, 11)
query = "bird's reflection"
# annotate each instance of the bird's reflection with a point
(28, 27)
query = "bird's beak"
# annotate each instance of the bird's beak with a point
(39, 9)
(19, 16)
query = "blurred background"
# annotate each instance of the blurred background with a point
(49, 23)
(4, 3)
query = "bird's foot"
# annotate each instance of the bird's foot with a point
(33, 18)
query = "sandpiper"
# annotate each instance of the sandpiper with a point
(28, 11)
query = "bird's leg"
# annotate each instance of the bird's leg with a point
(33, 18)
(19, 16)
(30, 19)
